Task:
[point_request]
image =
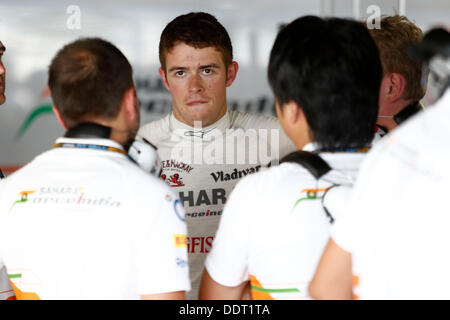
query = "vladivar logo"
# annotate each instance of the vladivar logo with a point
(235, 174)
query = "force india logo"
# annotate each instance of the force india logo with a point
(23, 197)
(63, 196)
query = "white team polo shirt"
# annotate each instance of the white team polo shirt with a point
(274, 229)
(90, 224)
(397, 226)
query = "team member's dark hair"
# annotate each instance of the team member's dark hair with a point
(89, 77)
(332, 70)
(196, 29)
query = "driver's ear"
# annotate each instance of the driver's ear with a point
(60, 119)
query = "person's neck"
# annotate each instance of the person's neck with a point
(301, 143)
(389, 123)
(119, 135)
(204, 123)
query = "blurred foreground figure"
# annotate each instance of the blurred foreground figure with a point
(6, 291)
(87, 222)
(394, 240)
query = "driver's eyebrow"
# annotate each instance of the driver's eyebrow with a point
(206, 66)
(177, 68)
(209, 66)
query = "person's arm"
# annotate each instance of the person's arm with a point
(333, 278)
(211, 290)
(226, 268)
(247, 292)
(177, 295)
(160, 246)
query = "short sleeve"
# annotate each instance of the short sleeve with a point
(162, 261)
(342, 230)
(227, 262)
(346, 230)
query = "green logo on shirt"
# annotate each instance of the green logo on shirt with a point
(23, 198)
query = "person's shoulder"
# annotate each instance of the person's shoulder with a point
(246, 120)
(145, 188)
(274, 177)
(156, 131)
(29, 169)
(429, 123)
(424, 133)
(142, 180)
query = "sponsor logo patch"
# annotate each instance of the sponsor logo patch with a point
(174, 180)
(309, 194)
(181, 263)
(66, 195)
(176, 166)
(178, 209)
(199, 244)
(180, 240)
(235, 174)
(23, 197)
(203, 197)
(202, 214)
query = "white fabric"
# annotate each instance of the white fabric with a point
(204, 183)
(90, 224)
(5, 287)
(271, 233)
(397, 225)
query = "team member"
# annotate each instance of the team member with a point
(87, 222)
(401, 87)
(393, 241)
(6, 291)
(204, 147)
(274, 228)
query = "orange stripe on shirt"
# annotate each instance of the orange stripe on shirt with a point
(258, 295)
(20, 295)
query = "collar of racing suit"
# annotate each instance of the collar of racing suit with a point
(199, 133)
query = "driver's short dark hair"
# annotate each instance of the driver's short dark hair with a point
(198, 30)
